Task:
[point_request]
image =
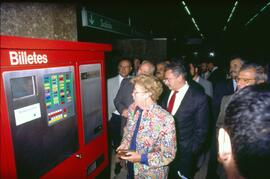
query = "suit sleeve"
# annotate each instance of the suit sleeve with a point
(121, 97)
(224, 103)
(201, 124)
(127, 135)
(210, 89)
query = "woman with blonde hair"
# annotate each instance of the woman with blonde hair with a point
(149, 140)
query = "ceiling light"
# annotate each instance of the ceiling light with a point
(187, 10)
(192, 19)
(261, 10)
(230, 16)
(183, 2)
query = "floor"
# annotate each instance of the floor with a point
(122, 174)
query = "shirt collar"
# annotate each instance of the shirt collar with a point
(183, 88)
(197, 79)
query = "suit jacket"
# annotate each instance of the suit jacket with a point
(224, 103)
(124, 95)
(216, 76)
(112, 89)
(207, 85)
(191, 122)
(223, 88)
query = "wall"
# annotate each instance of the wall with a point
(39, 20)
(154, 50)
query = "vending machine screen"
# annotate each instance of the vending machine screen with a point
(58, 96)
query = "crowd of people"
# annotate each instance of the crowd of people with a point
(179, 119)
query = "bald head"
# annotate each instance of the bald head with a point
(146, 68)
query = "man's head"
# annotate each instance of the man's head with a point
(203, 67)
(194, 69)
(136, 63)
(160, 72)
(235, 65)
(146, 68)
(175, 75)
(244, 142)
(124, 67)
(250, 74)
(211, 65)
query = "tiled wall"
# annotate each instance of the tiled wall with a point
(39, 20)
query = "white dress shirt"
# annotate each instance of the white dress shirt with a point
(178, 98)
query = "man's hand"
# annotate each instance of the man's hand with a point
(125, 113)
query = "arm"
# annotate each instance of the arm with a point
(123, 96)
(210, 90)
(221, 116)
(127, 135)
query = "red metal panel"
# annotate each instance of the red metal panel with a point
(54, 57)
(7, 160)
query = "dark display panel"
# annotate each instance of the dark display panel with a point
(22, 87)
(91, 100)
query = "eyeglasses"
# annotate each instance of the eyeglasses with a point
(136, 92)
(245, 80)
(167, 79)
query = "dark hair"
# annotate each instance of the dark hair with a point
(124, 59)
(195, 63)
(247, 122)
(178, 67)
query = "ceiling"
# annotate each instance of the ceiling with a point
(168, 19)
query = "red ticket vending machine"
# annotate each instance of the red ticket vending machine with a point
(53, 109)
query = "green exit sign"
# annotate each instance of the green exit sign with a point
(96, 21)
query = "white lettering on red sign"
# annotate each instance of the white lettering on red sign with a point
(23, 58)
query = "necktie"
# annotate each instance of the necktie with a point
(171, 102)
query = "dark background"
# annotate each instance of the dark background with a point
(168, 19)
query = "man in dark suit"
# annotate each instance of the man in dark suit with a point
(216, 74)
(227, 87)
(190, 111)
(223, 88)
(244, 140)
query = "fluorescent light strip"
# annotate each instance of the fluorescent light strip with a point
(231, 14)
(192, 19)
(183, 2)
(187, 10)
(262, 9)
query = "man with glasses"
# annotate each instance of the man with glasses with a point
(244, 141)
(249, 74)
(189, 107)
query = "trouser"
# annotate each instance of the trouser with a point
(185, 165)
(115, 130)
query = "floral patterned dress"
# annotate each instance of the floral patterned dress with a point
(156, 138)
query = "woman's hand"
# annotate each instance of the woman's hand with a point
(131, 156)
